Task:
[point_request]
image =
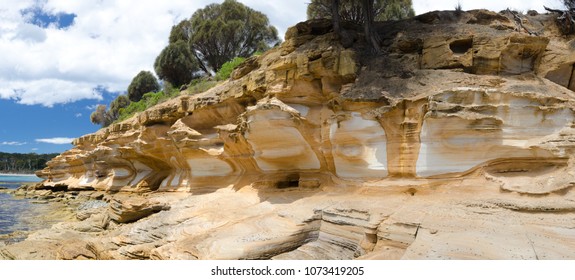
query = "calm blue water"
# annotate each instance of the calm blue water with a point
(11, 207)
(17, 179)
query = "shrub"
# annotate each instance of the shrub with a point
(100, 116)
(176, 64)
(148, 100)
(122, 101)
(200, 85)
(458, 9)
(142, 83)
(227, 68)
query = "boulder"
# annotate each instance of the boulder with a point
(134, 208)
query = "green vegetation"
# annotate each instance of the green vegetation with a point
(176, 64)
(213, 36)
(105, 117)
(216, 39)
(220, 32)
(23, 163)
(148, 100)
(122, 101)
(143, 82)
(101, 116)
(200, 85)
(227, 68)
(351, 10)
(122, 108)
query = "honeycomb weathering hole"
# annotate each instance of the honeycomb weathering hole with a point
(461, 46)
(292, 181)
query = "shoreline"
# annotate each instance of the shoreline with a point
(18, 174)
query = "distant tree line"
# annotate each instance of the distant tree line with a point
(23, 163)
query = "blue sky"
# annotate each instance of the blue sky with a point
(36, 15)
(60, 58)
(45, 124)
(41, 129)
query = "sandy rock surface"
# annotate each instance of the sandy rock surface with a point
(454, 142)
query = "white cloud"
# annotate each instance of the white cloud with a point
(92, 107)
(13, 143)
(47, 91)
(30, 33)
(111, 41)
(423, 6)
(282, 14)
(78, 115)
(56, 140)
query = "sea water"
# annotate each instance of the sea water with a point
(11, 208)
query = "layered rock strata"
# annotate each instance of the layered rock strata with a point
(455, 141)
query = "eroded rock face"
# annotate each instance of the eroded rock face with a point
(315, 151)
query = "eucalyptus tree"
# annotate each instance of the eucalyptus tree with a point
(176, 64)
(141, 84)
(100, 116)
(352, 10)
(364, 12)
(215, 35)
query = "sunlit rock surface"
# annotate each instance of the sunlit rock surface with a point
(454, 142)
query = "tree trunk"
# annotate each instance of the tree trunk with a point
(370, 35)
(335, 17)
(202, 66)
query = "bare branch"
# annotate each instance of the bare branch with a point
(519, 22)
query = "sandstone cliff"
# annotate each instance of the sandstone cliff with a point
(455, 141)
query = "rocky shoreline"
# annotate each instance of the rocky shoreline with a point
(455, 142)
(384, 220)
(82, 205)
(46, 209)
(79, 211)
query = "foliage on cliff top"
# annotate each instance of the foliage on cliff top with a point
(211, 37)
(566, 19)
(142, 83)
(227, 68)
(214, 39)
(351, 10)
(148, 100)
(176, 64)
(104, 116)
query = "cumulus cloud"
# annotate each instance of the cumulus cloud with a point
(13, 143)
(106, 45)
(56, 140)
(47, 92)
(30, 33)
(282, 14)
(423, 6)
(109, 42)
